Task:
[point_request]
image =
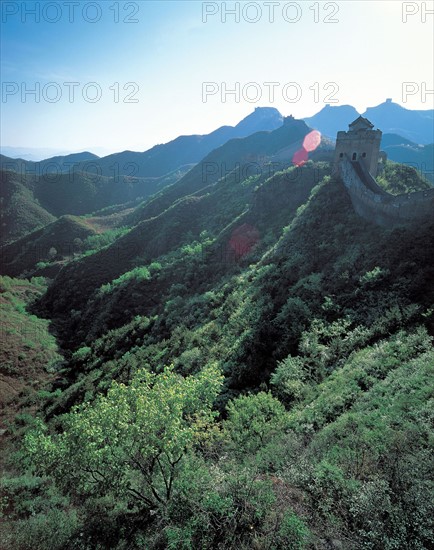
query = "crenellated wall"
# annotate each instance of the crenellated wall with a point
(374, 204)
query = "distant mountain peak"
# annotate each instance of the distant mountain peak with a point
(266, 109)
(332, 118)
(388, 104)
(262, 118)
(389, 117)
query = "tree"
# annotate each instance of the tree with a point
(253, 420)
(129, 443)
(288, 380)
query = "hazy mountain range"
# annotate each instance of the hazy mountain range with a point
(415, 125)
(389, 117)
(162, 159)
(34, 193)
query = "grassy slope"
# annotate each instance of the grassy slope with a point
(249, 312)
(27, 348)
(228, 207)
(23, 255)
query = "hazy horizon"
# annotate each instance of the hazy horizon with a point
(41, 153)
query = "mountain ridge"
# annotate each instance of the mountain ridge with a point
(390, 117)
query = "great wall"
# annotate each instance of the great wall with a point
(356, 161)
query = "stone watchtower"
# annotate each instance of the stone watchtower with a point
(361, 143)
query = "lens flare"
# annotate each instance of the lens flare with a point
(310, 143)
(300, 157)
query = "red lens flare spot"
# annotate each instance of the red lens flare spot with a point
(312, 140)
(300, 157)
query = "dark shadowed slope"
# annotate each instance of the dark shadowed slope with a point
(20, 213)
(244, 156)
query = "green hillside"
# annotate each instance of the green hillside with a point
(72, 193)
(52, 165)
(20, 213)
(28, 351)
(398, 179)
(45, 251)
(33, 197)
(419, 157)
(204, 221)
(80, 193)
(240, 158)
(247, 363)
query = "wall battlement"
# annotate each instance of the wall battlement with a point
(381, 207)
(356, 161)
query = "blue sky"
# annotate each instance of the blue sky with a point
(165, 57)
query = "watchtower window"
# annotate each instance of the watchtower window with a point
(354, 156)
(341, 155)
(364, 155)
